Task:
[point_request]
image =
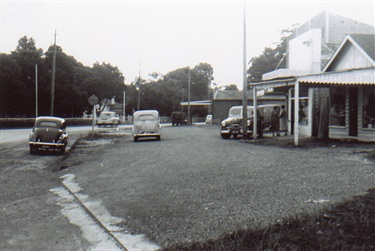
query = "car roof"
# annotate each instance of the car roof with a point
(59, 121)
(50, 118)
(240, 106)
(142, 112)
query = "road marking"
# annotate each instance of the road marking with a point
(99, 227)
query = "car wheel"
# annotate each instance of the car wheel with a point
(62, 150)
(225, 136)
(32, 150)
(158, 138)
(135, 139)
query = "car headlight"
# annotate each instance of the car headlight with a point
(32, 136)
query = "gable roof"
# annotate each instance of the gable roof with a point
(365, 43)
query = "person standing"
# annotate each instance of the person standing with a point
(283, 120)
(275, 121)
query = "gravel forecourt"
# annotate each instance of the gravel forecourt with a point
(193, 186)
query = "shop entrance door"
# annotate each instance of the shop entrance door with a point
(353, 111)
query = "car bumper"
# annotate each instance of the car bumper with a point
(231, 131)
(107, 122)
(146, 134)
(46, 144)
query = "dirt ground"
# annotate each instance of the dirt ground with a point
(194, 186)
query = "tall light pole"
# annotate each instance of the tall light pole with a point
(209, 96)
(244, 99)
(139, 97)
(53, 77)
(36, 90)
(123, 109)
(189, 78)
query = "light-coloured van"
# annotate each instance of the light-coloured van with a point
(146, 123)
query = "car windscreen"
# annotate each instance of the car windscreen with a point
(107, 115)
(235, 112)
(48, 124)
(146, 117)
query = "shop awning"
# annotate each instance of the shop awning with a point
(196, 103)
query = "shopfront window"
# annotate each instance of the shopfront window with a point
(368, 107)
(337, 112)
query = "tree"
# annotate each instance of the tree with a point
(231, 87)
(166, 93)
(75, 83)
(104, 81)
(270, 59)
(10, 86)
(25, 57)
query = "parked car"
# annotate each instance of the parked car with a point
(48, 134)
(179, 118)
(209, 119)
(108, 119)
(232, 126)
(146, 123)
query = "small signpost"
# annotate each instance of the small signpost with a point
(93, 100)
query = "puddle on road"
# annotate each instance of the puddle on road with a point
(108, 236)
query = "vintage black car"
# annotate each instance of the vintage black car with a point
(232, 126)
(179, 118)
(48, 134)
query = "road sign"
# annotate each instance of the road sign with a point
(93, 100)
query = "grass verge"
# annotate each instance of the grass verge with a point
(349, 225)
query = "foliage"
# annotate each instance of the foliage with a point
(165, 93)
(231, 87)
(75, 83)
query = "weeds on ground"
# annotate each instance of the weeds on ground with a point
(347, 226)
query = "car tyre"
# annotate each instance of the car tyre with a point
(135, 139)
(62, 150)
(33, 150)
(225, 136)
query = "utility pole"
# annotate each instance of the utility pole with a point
(123, 110)
(244, 99)
(53, 77)
(209, 96)
(139, 87)
(189, 78)
(36, 90)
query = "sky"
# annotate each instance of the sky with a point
(142, 37)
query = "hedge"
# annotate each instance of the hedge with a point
(29, 122)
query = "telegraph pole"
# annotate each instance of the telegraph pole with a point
(53, 77)
(189, 119)
(244, 99)
(36, 90)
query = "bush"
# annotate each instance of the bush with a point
(29, 122)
